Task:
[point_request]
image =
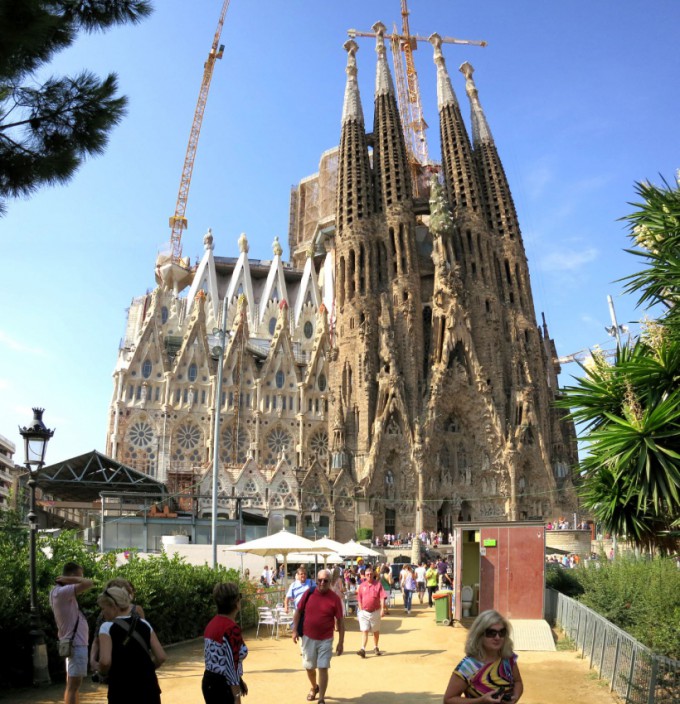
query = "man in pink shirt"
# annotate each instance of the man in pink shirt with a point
(72, 624)
(371, 603)
(322, 611)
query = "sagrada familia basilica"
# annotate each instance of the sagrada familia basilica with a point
(392, 375)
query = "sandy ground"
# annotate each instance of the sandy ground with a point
(418, 658)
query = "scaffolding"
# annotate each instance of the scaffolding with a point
(313, 206)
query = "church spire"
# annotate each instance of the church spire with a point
(383, 77)
(502, 216)
(351, 109)
(354, 192)
(480, 127)
(390, 161)
(460, 176)
(445, 93)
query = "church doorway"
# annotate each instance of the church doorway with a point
(390, 521)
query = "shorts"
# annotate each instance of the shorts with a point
(76, 665)
(316, 653)
(369, 621)
(420, 586)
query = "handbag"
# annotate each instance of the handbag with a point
(65, 645)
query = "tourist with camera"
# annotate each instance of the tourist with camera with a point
(488, 674)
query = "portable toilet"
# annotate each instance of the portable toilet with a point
(500, 566)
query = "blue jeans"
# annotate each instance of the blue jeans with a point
(408, 595)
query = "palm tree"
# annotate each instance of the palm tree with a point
(630, 410)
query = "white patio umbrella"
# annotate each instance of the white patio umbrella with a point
(326, 543)
(281, 543)
(333, 558)
(353, 549)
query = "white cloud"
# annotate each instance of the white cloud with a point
(15, 345)
(567, 259)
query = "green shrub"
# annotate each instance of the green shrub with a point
(176, 597)
(640, 595)
(364, 533)
(563, 580)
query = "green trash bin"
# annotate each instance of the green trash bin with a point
(442, 607)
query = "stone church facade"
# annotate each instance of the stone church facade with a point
(392, 376)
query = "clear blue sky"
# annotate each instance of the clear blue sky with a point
(582, 99)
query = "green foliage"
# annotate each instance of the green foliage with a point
(563, 580)
(641, 596)
(630, 477)
(176, 597)
(46, 131)
(364, 533)
(655, 229)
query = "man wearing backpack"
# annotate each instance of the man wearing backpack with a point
(317, 615)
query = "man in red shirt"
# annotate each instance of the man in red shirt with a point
(322, 610)
(371, 602)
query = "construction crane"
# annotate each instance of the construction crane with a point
(408, 89)
(171, 269)
(582, 356)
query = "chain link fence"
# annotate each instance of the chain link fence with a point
(633, 671)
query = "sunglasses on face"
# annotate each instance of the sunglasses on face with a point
(323, 581)
(493, 633)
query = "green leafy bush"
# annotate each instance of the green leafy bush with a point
(563, 580)
(364, 533)
(176, 597)
(640, 595)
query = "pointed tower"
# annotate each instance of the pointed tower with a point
(460, 177)
(396, 229)
(355, 336)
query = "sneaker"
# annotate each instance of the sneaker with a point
(376, 650)
(361, 653)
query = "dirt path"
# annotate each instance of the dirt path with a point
(417, 662)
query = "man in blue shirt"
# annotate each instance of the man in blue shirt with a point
(301, 584)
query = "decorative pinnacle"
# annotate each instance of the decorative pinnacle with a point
(383, 78)
(243, 243)
(445, 94)
(276, 247)
(351, 109)
(480, 127)
(208, 239)
(351, 47)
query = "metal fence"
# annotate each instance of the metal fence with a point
(633, 671)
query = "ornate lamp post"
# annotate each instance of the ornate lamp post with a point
(316, 519)
(36, 436)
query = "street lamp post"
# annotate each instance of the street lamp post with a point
(36, 436)
(315, 524)
(219, 351)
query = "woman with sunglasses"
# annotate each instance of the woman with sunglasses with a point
(224, 649)
(488, 674)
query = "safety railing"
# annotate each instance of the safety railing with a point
(634, 672)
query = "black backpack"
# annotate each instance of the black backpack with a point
(303, 606)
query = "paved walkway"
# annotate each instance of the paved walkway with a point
(417, 662)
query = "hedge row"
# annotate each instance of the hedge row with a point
(176, 597)
(640, 595)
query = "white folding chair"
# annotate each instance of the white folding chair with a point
(265, 617)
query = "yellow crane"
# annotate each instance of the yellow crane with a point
(408, 89)
(171, 269)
